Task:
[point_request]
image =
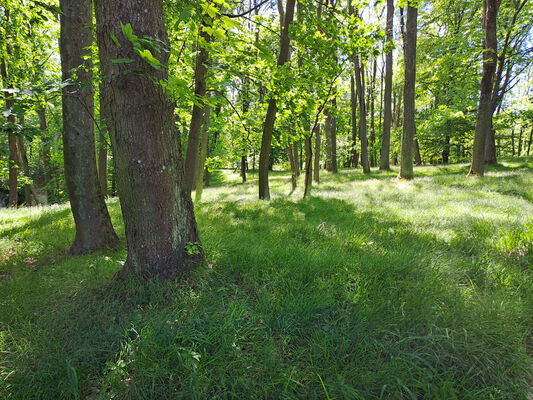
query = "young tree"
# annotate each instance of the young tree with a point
(158, 212)
(93, 224)
(384, 163)
(409, 127)
(485, 110)
(270, 118)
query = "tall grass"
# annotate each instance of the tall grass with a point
(372, 288)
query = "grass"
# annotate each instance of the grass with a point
(373, 288)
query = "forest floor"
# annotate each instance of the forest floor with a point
(372, 288)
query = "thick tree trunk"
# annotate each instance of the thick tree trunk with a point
(360, 90)
(158, 212)
(316, 174)
(93, 224)
(270, 118)
(203, 154)
(485, 107)
(102, 145)
(409, 128)
(384, 163)
(191, 157)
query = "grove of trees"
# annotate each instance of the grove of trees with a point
(144, 98)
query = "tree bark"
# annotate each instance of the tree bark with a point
(43, 126)
(529, 143)
(354, 157)
(296, 156)
(158, 212)
(316, 174)
(308, 164)
(270, 118)
(372, 114)
(102, 145)
(384, 163)
(409, 128)
(191, 157)
(292, 163)
(93, 224)
(484, 116)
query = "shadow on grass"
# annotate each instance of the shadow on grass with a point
(296, 291)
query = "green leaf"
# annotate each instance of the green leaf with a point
(115, 40)
(127, 30)
(122, 61)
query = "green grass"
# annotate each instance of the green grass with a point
(372, 288)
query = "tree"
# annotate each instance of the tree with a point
(485, 110)
(387, 113)
(161, 231)
(270, 118)
(93, 224)
(409, 127)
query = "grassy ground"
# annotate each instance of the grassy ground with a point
(373, 288)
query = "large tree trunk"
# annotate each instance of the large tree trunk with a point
(158, 212)
(102, 145)
(384, 163)
(270, 118)
(191, 157)
(485, 107)
(360, 90)
(316, 174)
(408, 132)
(93, 224)
(490, 147)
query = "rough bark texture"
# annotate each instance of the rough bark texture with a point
(384, 163)
(102, 145)
(316, 174)
(409, 127)
(158, 212)
(270, 118)
(93, 225)
(191, 157)
(360, 91)
(292, 164)
(485, 110)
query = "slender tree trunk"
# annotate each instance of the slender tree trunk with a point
(333, 136)
(191, 157)
(30, 195)
(512, 142)
(520, 141)
(316, 174)
(484, 116)
(292, 163)
(43, 126)
(211, 149)
(353, 103)
(529, 143)
(371, 96)
(384, 163)
(360, 90)
(409, 127)
(270, 118)
(13, 161)
(203, 154)
(446, 150)
(93, 224)
(296, 158)
(158, 211)
(308, 164)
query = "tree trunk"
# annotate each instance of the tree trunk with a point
(446, 150)
(490, 146)
(353, 103)
(203, 154)
(30, 195)
(211, 149)
(520, 141)
(360, 90)
(308, 164)
(408, 131)
(292, 164)
(372, 114)
(296, 156)
(484, 116)
(270, 118)
(102, 145)
(416, 149)
(384, 163)
(158, 211)
(333, 136)
(512, 142)
(316, 174)
(529, 143)
(93, 224)
(191, 157)
(43, 126)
